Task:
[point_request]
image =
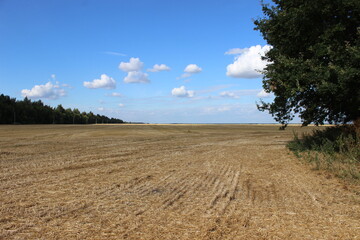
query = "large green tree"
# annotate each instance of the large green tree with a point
(314, 62)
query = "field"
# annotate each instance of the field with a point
(166, 182)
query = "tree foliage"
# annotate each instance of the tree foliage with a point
(314, 63)
(28, 112)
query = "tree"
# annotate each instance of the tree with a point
(69, 116)
(28, 112)
(7, 109)
(314, 62)
(76, 116)
(60, 114)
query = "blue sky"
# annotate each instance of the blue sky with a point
(156, 61)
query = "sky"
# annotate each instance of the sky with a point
(153, 61)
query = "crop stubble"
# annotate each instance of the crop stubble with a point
(166, 182)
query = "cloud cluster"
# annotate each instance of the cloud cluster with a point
(182, 92)
(104, 82)
(248, 64)
(133, 68)
(49, 91)
(159, 68)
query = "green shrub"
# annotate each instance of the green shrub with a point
(335, 149)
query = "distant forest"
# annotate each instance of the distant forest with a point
(25, 111)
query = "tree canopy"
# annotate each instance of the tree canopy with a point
(28, 112)
(314, 62)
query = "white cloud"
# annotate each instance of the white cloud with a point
(115, 94)
(49, 91)
(133, 68)
(136, 77)
(121, 105)
(263, 94)
(159, 68)
(184, 75)
(192, 68)
(182, 92)
(229, 94)
(133, 65)
(101, 109)
(248, 63)
(53, 76)
(66, 85)
(104, 82)
(235, 51)
(115, 54)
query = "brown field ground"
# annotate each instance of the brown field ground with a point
(166, 182)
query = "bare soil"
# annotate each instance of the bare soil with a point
(166, 182)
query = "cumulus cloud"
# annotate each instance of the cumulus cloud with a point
(182, 92)
(248, 63)
(136, 77)
(49, 91)
(133, 65)
(159, 68)
(192, 68)
(104, 82)
(133, 68)
(263, 94)
(121, 105)
(229, 94)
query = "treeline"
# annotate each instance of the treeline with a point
(36, 112)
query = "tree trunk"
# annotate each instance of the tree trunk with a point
(357, 125)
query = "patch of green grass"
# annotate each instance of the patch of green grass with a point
(335, 149)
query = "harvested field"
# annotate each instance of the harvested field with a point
(166, 182)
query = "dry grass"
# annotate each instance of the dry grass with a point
(166, 182)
